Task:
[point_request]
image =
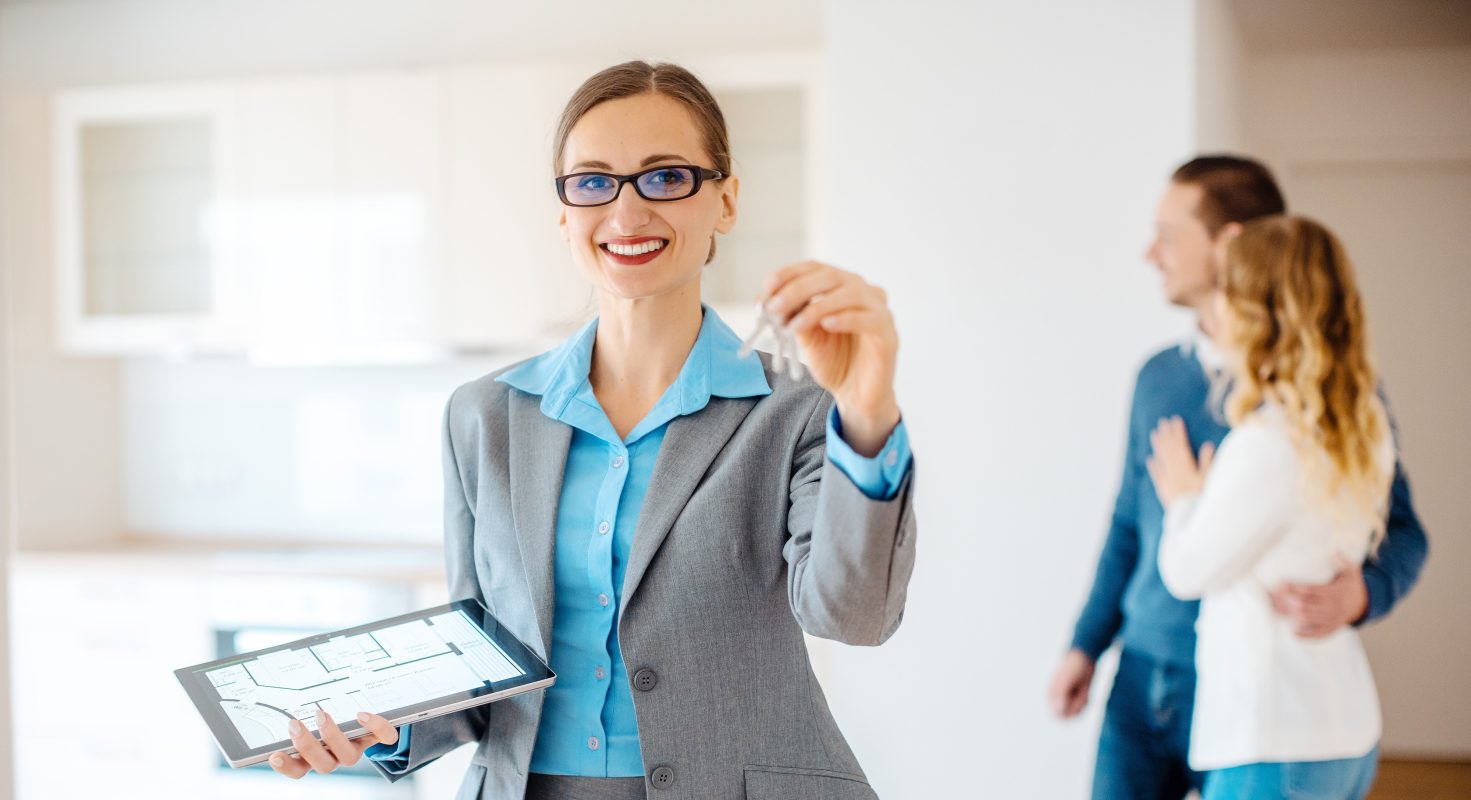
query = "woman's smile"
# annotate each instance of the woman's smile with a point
(635, 251)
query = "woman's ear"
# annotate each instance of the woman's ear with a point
(562, 224)
(730, 190)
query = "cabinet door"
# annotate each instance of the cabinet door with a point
(510, 279)
(282, 248)
(94, 655)
(339, 214)
(140, 174)
(390, 201)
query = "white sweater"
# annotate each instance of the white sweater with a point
(1263, 693)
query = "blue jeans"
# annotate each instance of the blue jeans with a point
(1146, 733)
(1342, 779)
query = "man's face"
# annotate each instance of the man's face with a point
(1182, 248)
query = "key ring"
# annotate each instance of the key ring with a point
(784, 357)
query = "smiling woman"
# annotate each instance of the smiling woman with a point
(660, 515)
(608, 234)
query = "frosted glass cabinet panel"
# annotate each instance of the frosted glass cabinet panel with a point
(146, 196)
(140, 177)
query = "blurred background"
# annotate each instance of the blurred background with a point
(248, 248)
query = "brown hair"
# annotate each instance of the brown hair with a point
(1297, 327)
(1235, 189)
(633, 78)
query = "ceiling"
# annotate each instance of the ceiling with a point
(69, 42)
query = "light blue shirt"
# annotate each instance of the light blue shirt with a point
(588, 726)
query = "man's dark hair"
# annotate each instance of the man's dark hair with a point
(1235, 189)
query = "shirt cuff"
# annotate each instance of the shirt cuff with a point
(879, 477)
(1089, 642)
(394, 758)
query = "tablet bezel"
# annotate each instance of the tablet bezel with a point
(535, 675)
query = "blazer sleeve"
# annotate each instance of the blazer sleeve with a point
(849, 556)
(433, 738)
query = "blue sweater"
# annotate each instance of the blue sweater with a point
(1129, 600)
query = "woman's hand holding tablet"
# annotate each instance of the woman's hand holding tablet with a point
(267, 704)
(335, 749)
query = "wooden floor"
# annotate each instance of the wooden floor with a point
(1422, 780)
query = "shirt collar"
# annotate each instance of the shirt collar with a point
(714, 368)
(1204, 349)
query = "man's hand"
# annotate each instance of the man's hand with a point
(1317, 610)
(1068, 693)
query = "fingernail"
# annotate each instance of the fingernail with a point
(296, 727)
(277, 760)
(321, 718)
(363, 717)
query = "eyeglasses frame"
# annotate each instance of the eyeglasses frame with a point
(701, 174)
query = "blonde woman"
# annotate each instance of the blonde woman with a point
(1297, 489)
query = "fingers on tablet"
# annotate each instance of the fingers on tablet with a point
(379, 727)
(289, 765)
(342, 748)
(311, 749)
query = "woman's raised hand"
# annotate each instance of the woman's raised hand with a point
(1172, 464)
(845, 329)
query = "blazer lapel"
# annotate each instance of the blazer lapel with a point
(690, 444)
(538, 458)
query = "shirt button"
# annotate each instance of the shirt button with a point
(602, 600)
(603, 527)
(617, 462)
(593, 743)
(599, 672)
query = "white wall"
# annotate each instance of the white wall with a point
(226, 450)
(66, 409)
(995, 166)
(1377, 144)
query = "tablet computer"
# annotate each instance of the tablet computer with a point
(405, 668)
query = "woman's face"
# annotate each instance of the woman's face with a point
(628, 136)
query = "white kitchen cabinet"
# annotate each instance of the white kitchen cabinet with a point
(509, 277)
(339, 217)
(141, 175)
(391, 197)
(375, 216)
(282, 240)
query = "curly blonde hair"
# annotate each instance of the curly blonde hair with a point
(1297, 331)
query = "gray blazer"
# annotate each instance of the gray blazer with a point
(747, 538)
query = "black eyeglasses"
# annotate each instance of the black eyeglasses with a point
(657, 183)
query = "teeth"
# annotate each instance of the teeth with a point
(635, 249)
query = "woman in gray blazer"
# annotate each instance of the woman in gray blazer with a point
(658, 514)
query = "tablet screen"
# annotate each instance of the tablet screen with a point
(405, 668)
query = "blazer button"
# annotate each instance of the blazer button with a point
(645, 680)
(662, 778)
